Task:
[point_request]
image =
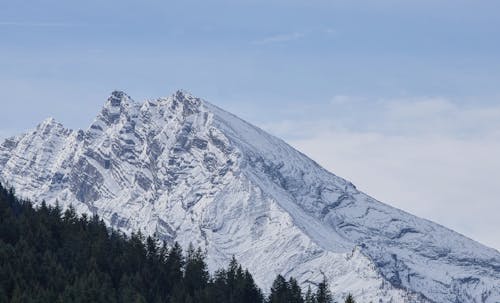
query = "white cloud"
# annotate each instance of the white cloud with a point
(453, 182)
(331, 31)
(429, 156)
(293, 36)
(345, 99)
(35, 24)
(418, 107)
(280, 38)
(439, 116)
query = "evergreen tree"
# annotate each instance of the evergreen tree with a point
(323, 294)
(196, 273)
(251, 293)
(47, 255)
(309, 297)
(349, 299)
(174, 264)
(279, 291)
(295, 293)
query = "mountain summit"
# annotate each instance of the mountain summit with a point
(184, 170)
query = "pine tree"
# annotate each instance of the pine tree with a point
(251, 293)
(323, 294)
(3, 294)
(46, 256)
(295, 293)
(349, 299)
(279, 291)
(174, 265)
(195, 273)
(309, 297)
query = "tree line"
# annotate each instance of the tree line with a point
(47, 255)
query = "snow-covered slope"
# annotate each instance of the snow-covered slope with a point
(184, 170)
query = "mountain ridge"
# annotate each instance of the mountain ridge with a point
(184, 169)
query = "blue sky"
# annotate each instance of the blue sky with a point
(402, 97)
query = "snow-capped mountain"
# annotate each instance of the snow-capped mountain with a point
(184, 170)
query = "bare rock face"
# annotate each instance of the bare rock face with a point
(184, 170)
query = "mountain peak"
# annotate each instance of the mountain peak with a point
(48, 121)
(182, 93)
(117, 98)
(185, 170)
(185, 100)
(48, 124)
(117, 104)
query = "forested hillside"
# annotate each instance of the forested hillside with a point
(47, 255)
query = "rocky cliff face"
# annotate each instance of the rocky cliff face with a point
(184, 170)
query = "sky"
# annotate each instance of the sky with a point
(400, 97)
